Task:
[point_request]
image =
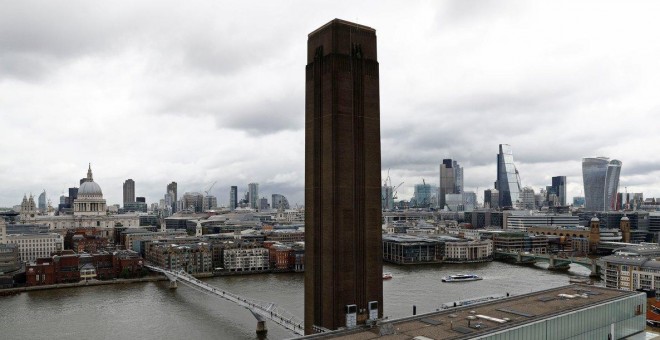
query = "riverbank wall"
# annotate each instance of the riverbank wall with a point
(90, 283)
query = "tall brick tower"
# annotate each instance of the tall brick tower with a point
(343, 242)
(624, 224)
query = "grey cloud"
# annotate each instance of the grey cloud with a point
(265, 116)
(459, 11)
(640, 168)
(259, 115)
(37, 37)
(24, 66)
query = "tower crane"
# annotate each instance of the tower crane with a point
(394, 190)
(211, 187)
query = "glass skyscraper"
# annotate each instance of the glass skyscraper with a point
(451, 180)
(601, 183)
(233, 197)
(423, 195)
(253, 195)
(559, 188)
(508, 178)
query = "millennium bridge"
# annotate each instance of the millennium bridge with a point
(262, 311)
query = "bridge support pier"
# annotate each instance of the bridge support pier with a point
(261, 327)
(173, 284)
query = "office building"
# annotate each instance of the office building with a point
(508, 178)
(527, 219)
(263, 204)
(42, 202)
(527, 199)
(559, 189)
(135, 206)
(491, 199)
(423, 195)
(601, 183)
(451, 180)
(343, 238)
(33, 246)
(465, 201)
(279, 202)
(233, 197)
(486, 218)
(129, 191)
(210, 202)
(458, 175)
(171, 189)
(253, 195)
(192, 201)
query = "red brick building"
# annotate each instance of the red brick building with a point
(127, 263)
(279, 256)
(66, 267)
(88, 240)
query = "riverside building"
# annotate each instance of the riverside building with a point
(33, 246)
(632, 268)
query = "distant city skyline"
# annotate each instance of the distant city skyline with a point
(169, 95)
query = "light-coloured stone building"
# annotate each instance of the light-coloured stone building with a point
(33, 246)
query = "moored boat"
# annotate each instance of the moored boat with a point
(387, 276)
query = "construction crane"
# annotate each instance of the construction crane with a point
(211, 187)
(394, 190)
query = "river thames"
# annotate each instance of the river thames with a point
(152, 311)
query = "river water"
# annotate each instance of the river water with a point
(152, 311)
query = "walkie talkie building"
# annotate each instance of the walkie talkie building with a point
(601, 183)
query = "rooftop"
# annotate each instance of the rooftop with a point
(488, 317)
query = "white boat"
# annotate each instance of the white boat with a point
(387, 276)
(461, 278)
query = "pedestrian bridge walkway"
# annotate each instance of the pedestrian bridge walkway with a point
(262, 311)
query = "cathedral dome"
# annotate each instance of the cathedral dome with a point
(89, 188)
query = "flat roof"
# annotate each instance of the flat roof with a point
(452, 323)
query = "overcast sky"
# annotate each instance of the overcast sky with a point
(203, 91)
